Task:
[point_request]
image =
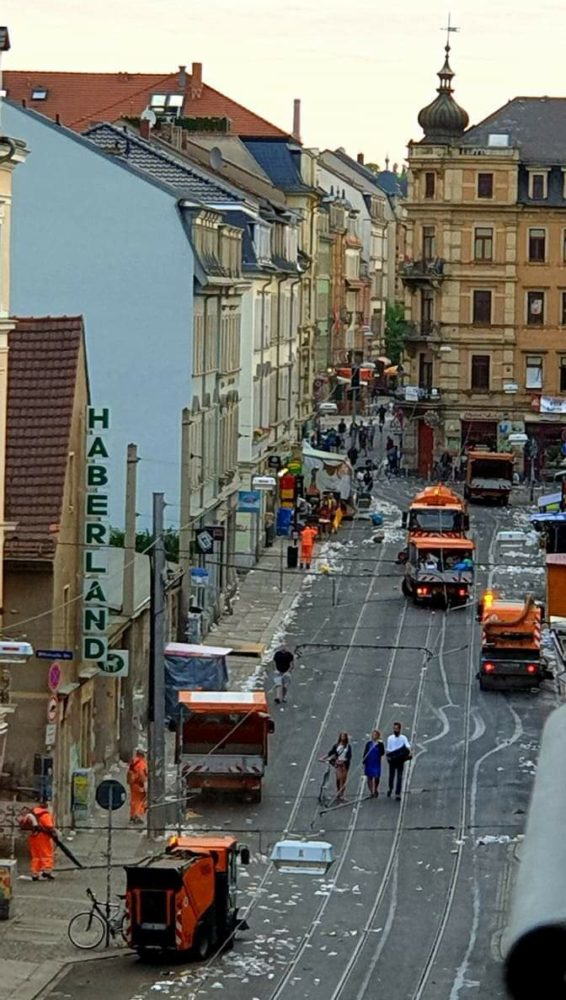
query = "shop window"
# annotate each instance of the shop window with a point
(533, 371)
(537, 245)
(480, 372)
(481, 303)
(485, 185)
(430, 184)
(483, 243)
(562, 374)
(429, 242)
(535, 308)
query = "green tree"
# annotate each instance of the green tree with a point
(145, 540)
(395, 330)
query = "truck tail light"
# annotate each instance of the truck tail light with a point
(489, 668)
(531, 669)
(422, 591)
(462, 592)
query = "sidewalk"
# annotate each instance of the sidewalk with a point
(34, 946)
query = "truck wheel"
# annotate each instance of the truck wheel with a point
(201, 947)
(484, 686)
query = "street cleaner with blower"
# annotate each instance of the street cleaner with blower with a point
(42, 840)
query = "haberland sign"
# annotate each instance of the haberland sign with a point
(97, 538)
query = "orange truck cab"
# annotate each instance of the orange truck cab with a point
(436, 510)
(224, 740)
(510, 643)
(489, 476)
(439, 568)
(185, 900)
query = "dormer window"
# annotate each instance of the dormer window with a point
(39, 94)
(167, 103)
(538, 185)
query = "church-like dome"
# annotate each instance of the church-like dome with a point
(443, 121)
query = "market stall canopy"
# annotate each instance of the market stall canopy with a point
(330, 473)
(383, 360)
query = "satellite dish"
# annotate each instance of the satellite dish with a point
(216, 158)
(149, 116)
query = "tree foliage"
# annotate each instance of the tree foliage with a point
(395, 329)
(145, 541)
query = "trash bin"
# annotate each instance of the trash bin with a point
(284, 519)
(7, 879)
(292, 557)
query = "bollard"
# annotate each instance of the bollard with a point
(535, 942)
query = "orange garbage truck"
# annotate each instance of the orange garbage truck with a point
(436, 510)
(510, 643)
(185, 900)
(439, 569)
(223, 739)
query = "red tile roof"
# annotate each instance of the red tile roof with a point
(83, 99)
(43, 363)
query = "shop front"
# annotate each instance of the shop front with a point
(545, 448)
(479, 434)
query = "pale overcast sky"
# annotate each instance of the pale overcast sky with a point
(363, 68)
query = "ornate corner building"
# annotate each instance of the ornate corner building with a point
(485, 280)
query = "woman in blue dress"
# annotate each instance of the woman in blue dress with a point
(373, 752)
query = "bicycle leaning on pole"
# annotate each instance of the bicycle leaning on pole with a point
(91, 927)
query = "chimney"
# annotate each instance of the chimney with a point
(182, 78)
(145, 128)
(360, 158)
(196, 81)
(297, 119)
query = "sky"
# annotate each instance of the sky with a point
(362, 68)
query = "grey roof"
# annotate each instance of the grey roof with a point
(537, 125)
(180, 176)
(358, 168)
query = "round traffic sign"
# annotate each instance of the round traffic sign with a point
(54, 677)
(110, 794)
(52, 709)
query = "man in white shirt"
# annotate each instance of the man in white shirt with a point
(398, 751)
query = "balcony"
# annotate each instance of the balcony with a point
(419, 394)
(422, 273)
(425, 332)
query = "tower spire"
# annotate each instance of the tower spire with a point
(444, 120)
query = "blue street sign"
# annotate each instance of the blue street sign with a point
(249, 501)
(54, 654)
(110, 794)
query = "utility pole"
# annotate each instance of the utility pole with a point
(185, 528)
(127, 735)
(156, 715)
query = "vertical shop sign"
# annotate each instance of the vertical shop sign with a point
(97, 536)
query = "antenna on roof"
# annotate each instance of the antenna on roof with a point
(449, 29)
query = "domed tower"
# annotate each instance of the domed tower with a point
(444, 121)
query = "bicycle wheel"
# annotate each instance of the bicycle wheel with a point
(122, 928)
(86, 930)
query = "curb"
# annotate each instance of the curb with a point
(29, 992)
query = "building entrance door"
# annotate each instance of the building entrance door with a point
(425, 449)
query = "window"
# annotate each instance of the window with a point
(425, 372)
(167, 102)
(485, 185)
(427, 310)
(430, 184)
(563, 313)
(537, 186)
(39, 94)
(429, 242)
(537, 245)
(534, 371)
(480, 372)
(535, 308)
(483, 243)
(562, 374)
(481, 307)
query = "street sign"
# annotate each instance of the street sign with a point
(199, 577)
(274, 462)
(204, 541)
(116, 663)
(217, 531)
(110, 794)
(54, 677)
(264, 482)
(249, 502)
(54, 654)
(52, 709)
(50, 734)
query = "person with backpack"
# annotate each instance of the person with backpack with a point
(38, 821)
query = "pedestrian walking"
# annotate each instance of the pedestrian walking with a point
(137, 781)
(381, 417)
(342, 428)
(363, 439)
(398, 753)
(308, 535)
(353, 434)
(41, 843)
(371, 434)
(353, 455)
(374, 750)
(340, 755)
(284, 661)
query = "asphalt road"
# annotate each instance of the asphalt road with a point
(415, 904)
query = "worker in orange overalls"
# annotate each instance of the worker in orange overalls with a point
(137, 780)
(308, 535)
(39, 822)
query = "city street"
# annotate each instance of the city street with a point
(416, 900)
